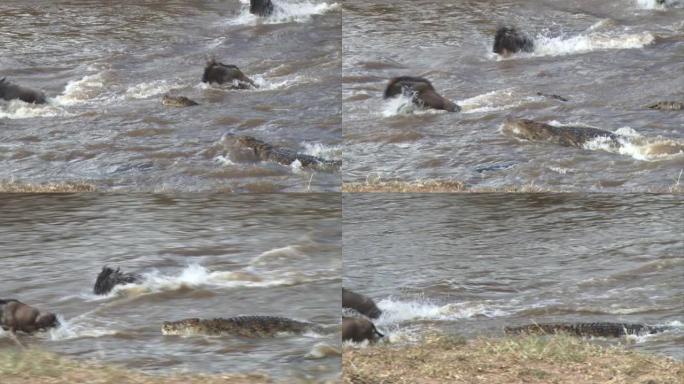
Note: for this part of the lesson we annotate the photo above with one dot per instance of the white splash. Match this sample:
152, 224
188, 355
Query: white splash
283, 12
653, 4
17, 109
495, 101
394, 311
88, 88
78, 328
149, 89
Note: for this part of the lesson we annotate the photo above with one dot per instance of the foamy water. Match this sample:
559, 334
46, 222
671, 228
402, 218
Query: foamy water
283, 12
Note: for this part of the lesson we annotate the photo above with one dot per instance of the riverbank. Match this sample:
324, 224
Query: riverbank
528, 359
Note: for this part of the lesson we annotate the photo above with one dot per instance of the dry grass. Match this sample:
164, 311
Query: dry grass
39, 367
558, 359
20, 187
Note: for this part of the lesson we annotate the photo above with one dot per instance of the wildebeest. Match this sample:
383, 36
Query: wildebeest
360, 303
109, 278
508, 41
220, 73
358, 329
421, 91
16, 316
9, 91
261, 7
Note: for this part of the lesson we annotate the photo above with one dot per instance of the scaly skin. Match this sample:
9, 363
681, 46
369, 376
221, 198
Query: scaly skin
601, 329
177, 101
245, 326
268, 152
566, 136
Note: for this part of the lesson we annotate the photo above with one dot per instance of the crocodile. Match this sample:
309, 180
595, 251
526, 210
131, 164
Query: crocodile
10, 91
601, 329
244, 326
667, 106
177, 101
108, 278
267, 152
220, 73
567, 136
421, 91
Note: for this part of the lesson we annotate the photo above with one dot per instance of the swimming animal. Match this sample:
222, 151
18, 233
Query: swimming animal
601, 329
109, 278
177, 101
267, 152
220, 73
9, 91
567, 136
360, 303
261, 7
358, 329
421, 92
667, 106
509, 40
245, 326
17, 316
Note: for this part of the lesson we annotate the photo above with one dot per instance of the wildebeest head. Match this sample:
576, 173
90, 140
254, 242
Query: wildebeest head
261, 7
421, 91
508, 40
109, 278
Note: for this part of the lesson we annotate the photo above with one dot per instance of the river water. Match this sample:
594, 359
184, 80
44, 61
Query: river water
201, 256
472, 264
609, 59
105, 69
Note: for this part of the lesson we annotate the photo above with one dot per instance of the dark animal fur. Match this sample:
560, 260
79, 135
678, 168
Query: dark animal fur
220, 73
261, 7
508, 40
109, 278
9, 91
422, 92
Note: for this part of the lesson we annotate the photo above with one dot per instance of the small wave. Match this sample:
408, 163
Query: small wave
78, 328
149, 89
322, 350
495, 101
639, 147
88, 88
17, 109
263, 84
283, 12
283, 254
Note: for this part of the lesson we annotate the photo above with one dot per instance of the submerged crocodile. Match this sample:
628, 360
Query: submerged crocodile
245, 326
177, 101
568, 136
267, 152
602, 329
667, 106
